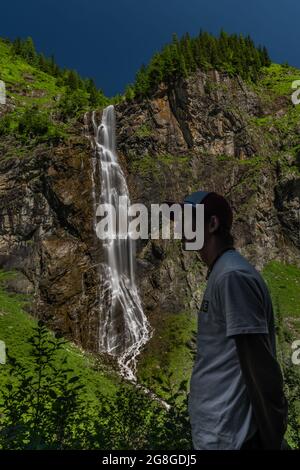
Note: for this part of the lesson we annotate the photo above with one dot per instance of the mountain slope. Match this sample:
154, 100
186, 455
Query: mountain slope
16, 327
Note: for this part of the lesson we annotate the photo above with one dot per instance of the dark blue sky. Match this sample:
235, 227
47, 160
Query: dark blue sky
110, 39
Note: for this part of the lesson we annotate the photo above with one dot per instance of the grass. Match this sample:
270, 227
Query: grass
29, 89
16, 72
284, 283
167, 351
275, 90
154, 165
144, 131
278, 79
16, 326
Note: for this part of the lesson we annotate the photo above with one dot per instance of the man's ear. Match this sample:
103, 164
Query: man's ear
214, 224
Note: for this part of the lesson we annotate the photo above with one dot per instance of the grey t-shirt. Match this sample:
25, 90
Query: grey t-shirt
236, 301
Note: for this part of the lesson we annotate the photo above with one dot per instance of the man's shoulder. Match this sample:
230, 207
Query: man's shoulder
233, 266
232, 261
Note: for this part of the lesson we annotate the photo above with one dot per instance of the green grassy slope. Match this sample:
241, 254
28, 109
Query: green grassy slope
23, 81
40, 107
284, 281
281, 124
168, 355
16, 326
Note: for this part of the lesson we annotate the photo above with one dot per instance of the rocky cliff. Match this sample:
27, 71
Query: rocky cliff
209, 131
216, 133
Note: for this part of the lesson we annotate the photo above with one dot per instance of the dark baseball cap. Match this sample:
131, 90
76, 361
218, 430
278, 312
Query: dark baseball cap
214, 204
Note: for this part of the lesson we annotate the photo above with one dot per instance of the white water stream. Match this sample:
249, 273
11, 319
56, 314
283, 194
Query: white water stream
124, 328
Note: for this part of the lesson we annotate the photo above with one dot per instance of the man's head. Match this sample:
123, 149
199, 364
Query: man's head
217, 226
217, 222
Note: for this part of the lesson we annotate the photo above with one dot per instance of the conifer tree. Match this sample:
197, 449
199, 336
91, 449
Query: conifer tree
92, 91
141, 81
28, 50
72, 80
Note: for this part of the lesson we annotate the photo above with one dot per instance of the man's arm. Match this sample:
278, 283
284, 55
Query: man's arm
264, 383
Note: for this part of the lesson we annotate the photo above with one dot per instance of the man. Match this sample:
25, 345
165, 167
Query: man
236, 398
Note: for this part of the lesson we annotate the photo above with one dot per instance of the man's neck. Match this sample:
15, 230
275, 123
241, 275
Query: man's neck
216, 255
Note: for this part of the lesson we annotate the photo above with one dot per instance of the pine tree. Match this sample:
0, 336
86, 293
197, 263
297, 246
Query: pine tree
92, 91
266, 57
154, 71
188, 53
42, 63
228, 53
53, 67
141, 82
17, 46
72, 80
129, 92
28, 51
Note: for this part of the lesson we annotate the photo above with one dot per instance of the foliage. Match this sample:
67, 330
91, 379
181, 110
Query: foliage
170, 429
39, 408
70, 78
277, 79
72, 103
50, 396
144, 131
44, 100
43, 403
234, 54
16, 327
32, 122
283, 281
42, 408
169, 351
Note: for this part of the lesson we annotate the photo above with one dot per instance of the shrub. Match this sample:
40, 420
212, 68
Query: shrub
43, 406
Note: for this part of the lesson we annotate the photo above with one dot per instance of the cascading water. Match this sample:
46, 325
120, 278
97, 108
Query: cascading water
123, 326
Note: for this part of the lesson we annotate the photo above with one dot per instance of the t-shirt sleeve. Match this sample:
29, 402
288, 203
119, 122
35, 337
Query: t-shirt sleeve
242, 304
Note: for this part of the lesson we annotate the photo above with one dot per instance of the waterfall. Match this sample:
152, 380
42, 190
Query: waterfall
123, 326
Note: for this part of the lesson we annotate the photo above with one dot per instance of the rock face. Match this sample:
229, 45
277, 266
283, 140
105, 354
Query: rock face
199, 134
46, 229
